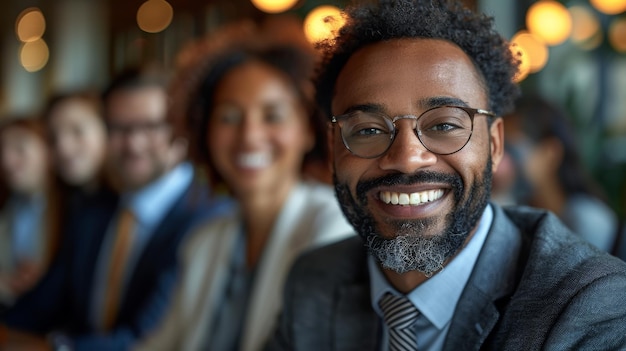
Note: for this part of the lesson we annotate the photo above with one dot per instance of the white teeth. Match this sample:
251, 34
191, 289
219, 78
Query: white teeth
403, 199
254, 160
413, 199
394, 198
424, 196
386, 196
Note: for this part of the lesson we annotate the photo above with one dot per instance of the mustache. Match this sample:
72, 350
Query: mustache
392, 179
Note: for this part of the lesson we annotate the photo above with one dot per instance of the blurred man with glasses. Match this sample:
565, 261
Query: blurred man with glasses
414, 90
117, 268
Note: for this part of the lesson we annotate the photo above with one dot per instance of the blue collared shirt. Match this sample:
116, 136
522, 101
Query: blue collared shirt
149, 205
437, 297
26, 229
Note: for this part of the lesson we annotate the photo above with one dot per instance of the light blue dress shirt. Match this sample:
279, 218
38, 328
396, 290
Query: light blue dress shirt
26, 231
437, 297
149, 205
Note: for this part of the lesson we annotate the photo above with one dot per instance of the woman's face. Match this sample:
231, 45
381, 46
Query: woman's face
258, 130
24, 160
78, 139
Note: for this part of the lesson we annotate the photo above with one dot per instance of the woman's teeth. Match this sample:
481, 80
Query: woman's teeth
254, 160
412, 199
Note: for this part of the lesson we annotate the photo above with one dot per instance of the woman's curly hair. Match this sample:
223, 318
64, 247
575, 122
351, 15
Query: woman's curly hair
435, 19
203, 63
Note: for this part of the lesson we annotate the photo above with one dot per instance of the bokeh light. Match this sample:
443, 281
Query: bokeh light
273, 6
30, 25
585, 24
154, 16
34, 55
524, 65
617, 34
550, 20
535, 49
323, 23
610, 7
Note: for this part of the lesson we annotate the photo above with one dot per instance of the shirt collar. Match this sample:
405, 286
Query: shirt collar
437, 297
150, 203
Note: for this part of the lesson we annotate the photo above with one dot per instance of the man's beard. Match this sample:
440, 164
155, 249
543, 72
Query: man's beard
410, 249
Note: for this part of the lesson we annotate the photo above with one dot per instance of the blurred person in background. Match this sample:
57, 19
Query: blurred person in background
117, 268
78, 138
28, 230
251, 106
551, 174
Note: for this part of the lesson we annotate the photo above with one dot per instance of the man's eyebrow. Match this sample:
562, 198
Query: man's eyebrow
438, 101
368, 107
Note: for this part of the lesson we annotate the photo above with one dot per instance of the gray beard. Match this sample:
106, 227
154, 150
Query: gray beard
409, 250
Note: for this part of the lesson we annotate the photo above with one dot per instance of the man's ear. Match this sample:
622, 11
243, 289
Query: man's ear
496, 133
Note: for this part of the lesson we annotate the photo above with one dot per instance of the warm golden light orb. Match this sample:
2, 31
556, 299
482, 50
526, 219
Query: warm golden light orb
586, 31
610, 7
273, 6
323, 23
617, 34
30, 25
34, 55
154, 16
585, 23
550, 20
535, 49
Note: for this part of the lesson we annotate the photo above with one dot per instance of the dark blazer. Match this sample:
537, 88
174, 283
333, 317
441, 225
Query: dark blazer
535, 286
62, 300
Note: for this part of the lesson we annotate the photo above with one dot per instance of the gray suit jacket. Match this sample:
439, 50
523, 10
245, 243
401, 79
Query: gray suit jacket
535, 286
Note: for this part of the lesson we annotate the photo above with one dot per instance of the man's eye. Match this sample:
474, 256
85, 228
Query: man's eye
369, 131
230, 118
274, 117
443, 127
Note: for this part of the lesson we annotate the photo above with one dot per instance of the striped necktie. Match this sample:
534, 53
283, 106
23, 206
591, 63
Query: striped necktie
117, 266
399, 315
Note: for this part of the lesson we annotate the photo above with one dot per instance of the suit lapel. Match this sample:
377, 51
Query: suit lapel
167, 235
492, 281
356, 325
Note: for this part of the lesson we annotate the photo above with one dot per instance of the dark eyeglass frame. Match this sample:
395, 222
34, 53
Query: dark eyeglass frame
471, 112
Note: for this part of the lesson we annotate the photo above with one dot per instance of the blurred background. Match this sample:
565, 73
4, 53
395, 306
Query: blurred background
574, 54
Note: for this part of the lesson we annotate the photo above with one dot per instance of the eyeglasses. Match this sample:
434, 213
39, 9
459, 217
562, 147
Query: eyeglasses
151, 129
442, 130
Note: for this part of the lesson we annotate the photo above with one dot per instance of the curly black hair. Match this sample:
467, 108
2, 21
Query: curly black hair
294, 63
435, 19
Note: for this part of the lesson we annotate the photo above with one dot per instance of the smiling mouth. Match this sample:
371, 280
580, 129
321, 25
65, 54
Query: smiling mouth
255, 160
410, 199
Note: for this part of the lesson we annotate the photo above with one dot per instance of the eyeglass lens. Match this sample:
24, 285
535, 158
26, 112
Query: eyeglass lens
442, 130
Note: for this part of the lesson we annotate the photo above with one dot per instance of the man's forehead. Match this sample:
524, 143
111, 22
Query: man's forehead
432, 66
149, 102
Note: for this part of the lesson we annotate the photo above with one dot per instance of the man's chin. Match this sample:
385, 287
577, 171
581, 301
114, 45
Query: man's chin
135, 181
418, 227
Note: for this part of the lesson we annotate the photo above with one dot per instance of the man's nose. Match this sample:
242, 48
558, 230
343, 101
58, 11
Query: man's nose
406, 154
136, 138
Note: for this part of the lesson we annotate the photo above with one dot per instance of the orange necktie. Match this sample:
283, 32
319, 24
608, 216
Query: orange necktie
117, 266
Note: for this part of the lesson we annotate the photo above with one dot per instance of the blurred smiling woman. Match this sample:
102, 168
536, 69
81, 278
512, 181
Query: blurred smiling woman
251, 109
78, 137
28, 217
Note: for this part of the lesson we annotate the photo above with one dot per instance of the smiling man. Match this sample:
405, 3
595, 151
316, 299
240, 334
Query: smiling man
415, 90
